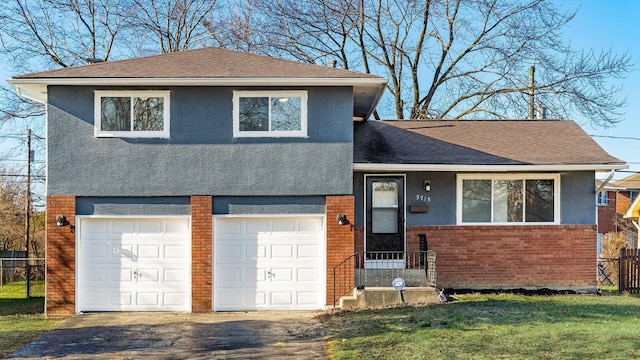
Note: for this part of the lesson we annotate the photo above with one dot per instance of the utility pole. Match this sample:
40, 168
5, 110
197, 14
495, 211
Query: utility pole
532, 106
28, 214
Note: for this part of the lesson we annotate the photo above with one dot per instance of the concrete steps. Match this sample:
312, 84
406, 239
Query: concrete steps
387, 296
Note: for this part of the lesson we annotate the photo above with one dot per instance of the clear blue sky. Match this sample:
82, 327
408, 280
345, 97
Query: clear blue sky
601, 25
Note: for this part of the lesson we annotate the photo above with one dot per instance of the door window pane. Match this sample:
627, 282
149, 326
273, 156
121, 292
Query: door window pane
384, 207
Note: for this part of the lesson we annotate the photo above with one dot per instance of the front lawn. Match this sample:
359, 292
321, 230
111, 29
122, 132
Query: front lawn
21, 322
503, 326
18, 290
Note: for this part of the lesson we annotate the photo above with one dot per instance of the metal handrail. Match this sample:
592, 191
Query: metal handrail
379, 268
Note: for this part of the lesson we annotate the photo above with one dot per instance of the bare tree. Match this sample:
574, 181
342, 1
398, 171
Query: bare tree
448, 59
169, 25
11, 211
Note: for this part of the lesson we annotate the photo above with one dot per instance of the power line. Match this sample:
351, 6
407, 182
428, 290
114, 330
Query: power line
616, 137
22, 175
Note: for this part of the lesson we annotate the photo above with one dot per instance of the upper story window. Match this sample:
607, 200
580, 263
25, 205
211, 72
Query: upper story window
132, 114
603, 198
508, 199
270, 114
632, 195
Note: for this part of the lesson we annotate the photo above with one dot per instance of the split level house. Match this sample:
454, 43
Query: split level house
215, 180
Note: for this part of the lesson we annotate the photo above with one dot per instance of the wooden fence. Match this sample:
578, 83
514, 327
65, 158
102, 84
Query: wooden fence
629, 271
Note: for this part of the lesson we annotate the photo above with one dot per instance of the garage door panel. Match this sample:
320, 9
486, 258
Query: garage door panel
148, 299
146, 252
175, 275
307, 275
307, 298
122, 227
230, 252
255, 227
282, 251
308, 251
282, 299
149, 226
148, 275
276, 263
175, 252
174, 299
134, 268
282, 275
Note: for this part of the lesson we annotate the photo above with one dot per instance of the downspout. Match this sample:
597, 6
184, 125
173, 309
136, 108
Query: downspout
604, 183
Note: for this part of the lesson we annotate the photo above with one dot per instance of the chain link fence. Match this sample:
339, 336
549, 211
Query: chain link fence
21, 278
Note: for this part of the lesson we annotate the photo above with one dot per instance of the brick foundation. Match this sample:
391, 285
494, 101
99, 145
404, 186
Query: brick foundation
560, 257
201, 252
60, 292
339, 243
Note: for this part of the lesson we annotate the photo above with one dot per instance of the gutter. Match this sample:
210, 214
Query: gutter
606, 181
490, 168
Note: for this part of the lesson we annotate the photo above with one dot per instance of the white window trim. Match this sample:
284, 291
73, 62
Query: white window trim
491, 176
277, 93
99, 94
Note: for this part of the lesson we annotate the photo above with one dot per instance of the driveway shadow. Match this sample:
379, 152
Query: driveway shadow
182, 336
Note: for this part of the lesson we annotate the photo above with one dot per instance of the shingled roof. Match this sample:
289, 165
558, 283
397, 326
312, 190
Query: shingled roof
207, 67
629, 182
495, 145
201, 63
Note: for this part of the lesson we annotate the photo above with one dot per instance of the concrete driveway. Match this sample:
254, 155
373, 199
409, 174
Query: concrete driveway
252, 335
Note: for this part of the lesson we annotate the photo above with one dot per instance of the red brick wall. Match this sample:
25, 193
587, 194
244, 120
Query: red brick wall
562, 256
607, 214
339, 243
201, 242
60, 290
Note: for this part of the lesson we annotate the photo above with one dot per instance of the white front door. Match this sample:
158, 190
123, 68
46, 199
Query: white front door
134, 264
269, 263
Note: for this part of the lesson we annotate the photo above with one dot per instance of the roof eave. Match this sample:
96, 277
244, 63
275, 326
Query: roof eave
488, 168
36, 88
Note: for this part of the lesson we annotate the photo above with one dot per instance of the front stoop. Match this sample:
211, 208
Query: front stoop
387, 296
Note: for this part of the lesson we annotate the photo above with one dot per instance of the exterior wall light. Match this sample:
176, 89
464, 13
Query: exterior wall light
61, 220
427, 185
342, 219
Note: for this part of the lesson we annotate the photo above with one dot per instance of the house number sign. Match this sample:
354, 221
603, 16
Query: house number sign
423, 198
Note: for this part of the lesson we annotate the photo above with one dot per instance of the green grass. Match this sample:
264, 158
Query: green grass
21, 322
18, 290
503, 326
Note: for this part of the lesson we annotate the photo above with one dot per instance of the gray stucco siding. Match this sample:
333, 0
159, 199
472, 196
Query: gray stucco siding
269, 205
201, 156
179, 206
158, 206
577, 198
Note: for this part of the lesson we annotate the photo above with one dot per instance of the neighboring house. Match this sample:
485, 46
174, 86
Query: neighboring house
633, 213
613, 202
217, 180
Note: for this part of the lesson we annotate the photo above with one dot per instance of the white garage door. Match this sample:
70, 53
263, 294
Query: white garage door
134, 265
269, 263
